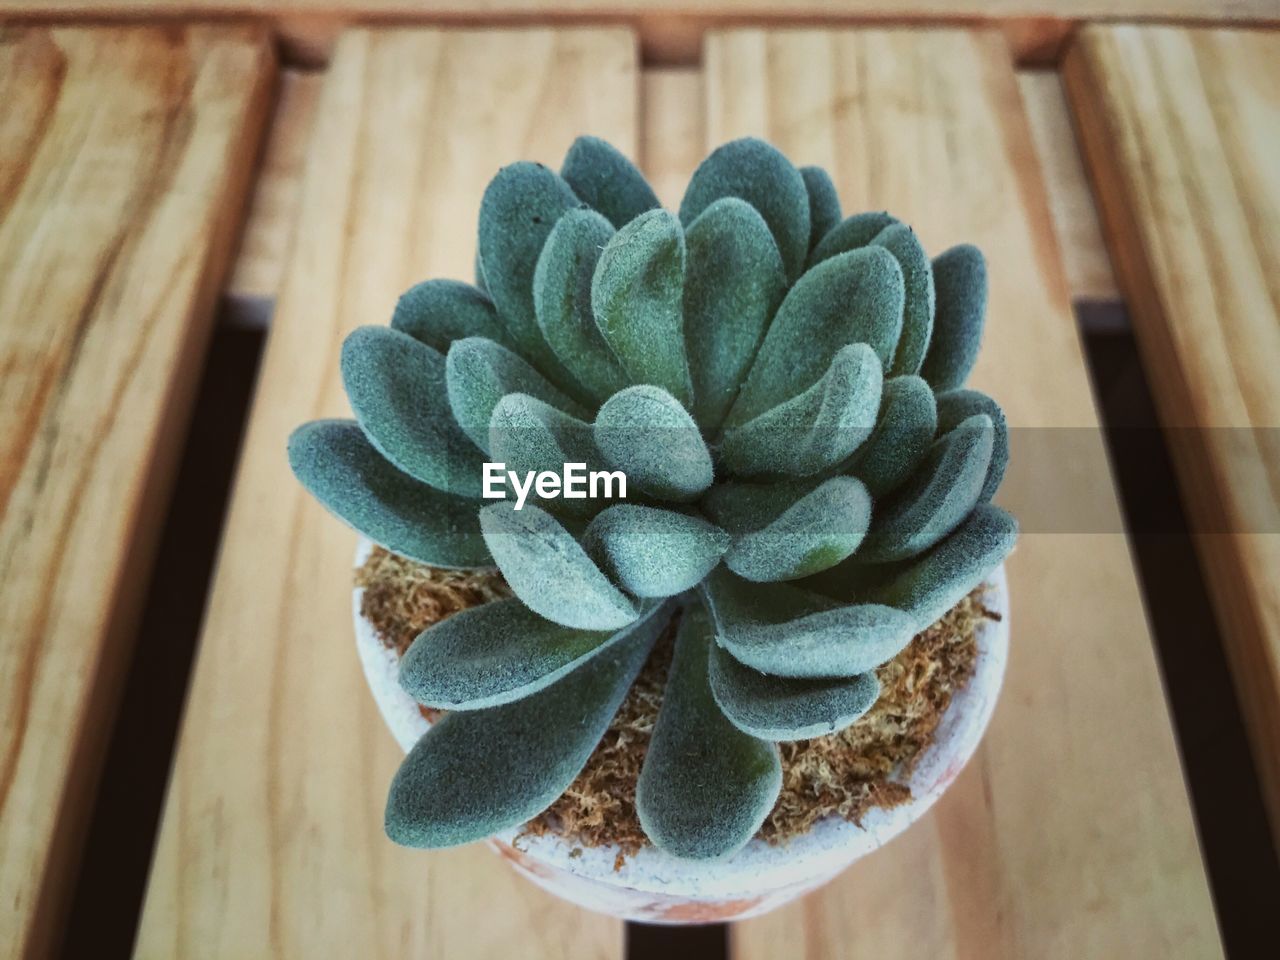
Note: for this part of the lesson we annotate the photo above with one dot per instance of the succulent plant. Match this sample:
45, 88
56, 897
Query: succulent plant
783, 388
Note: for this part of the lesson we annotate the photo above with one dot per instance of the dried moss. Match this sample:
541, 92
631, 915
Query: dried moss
849, 772
845, 773
402, 598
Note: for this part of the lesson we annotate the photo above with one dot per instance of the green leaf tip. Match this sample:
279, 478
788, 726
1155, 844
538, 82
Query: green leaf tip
926, 586
918, 296
338, 466
438, 312
956, 406
734, 284
506, 764
783, 708
758, 173
528, 436
519, 208
479, 373
548, 570
607, 181
651, 552
646, 433
816, 429
850, 233
940, 495
789, 531
705, 787
396, 386
852, 298
824, 203
905, 428
497, 653
791, 632
960, 282
636, 297
562, 301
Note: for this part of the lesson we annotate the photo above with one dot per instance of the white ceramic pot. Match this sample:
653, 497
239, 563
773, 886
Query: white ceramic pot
655, 887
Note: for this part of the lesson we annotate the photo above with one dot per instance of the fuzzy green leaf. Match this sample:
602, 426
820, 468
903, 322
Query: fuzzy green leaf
943, 490
759, 174
438, 312
652, 552
505, 765
562, 297
918, 305
607, 181
396, 386
547, 569
824, 203
904, 431
646, 433
339, 467
927, 586
930, 585
520, 207
790, 632
479, 373
815, 430
855, 297
783, 708
956, 406
636, 294
496, 653
850, 233
527, 435
788, 531
705, 787
735, 281
960, 279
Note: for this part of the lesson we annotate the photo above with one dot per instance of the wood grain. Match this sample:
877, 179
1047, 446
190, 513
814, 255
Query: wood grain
1181, 129
670, 31
671, 141
773, 10
1075, 216
124, 161
1069, 834
272, 837
269, 228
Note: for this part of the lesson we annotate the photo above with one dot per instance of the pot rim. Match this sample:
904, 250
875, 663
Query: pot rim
831, 844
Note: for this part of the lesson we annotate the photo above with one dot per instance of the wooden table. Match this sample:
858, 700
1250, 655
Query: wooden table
127, 159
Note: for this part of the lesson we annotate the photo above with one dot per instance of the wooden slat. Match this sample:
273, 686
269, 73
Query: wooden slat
124, 161
672, 138
1069, 834
268, 230
773, 10
1075, 217
670, 31
1182, 134
272, 838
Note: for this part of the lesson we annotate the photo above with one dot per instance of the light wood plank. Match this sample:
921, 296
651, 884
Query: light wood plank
670, 31
124, 162
273, 212
272, 838
1182, 135
1069, 834
774, 10
672, 139
1075, 217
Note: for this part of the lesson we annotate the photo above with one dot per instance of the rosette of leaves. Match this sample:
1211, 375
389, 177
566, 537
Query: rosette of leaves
809, 480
